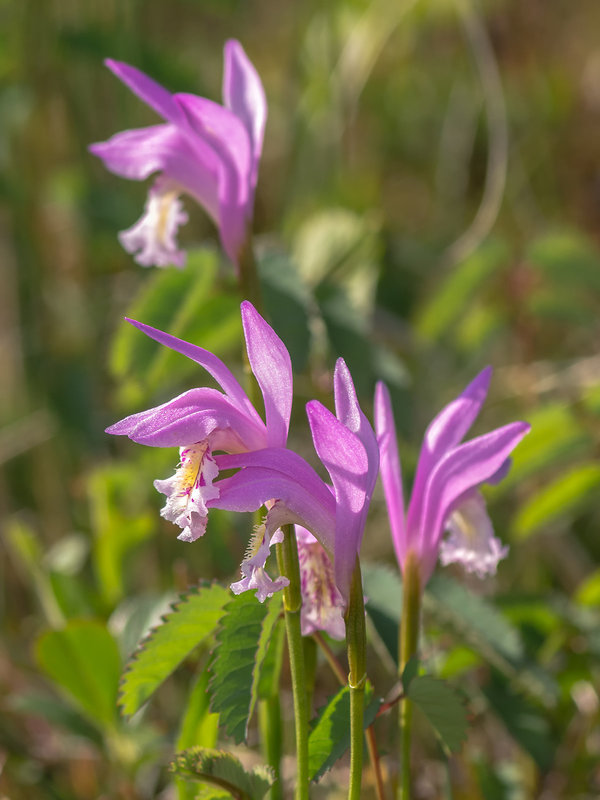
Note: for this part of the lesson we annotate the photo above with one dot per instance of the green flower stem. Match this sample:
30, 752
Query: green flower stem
310, 668
248, 277
337, 670
356, 641
287, 558
409, 640
271, 735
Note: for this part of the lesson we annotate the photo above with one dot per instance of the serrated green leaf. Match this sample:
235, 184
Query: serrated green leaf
563, 497
477, 621
242, 642
83, 659
193, 619
268, 685
481, 625
443, 709
223, 770
212, 793
330, 732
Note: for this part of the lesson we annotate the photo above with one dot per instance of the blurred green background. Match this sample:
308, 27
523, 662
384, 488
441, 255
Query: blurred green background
428, 203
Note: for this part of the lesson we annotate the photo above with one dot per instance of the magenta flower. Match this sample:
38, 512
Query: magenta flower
347, 446
208, 151
445, 493
322, 603
295, 494
202, 420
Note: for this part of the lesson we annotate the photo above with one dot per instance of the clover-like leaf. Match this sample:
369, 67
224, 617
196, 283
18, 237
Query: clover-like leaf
223, 770
192, 620
242, 643
442, 707
330, 733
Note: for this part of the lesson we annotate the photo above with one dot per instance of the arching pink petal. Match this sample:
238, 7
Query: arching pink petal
244, 94
148, 90
228, 137
272, 367
137, 154
391, 471
281, 460
445, 431
192, 417
345, 458
350, 414
252, 487
211, 363
462, 469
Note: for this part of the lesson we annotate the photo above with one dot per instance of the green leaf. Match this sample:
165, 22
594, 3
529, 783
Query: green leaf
287, 301
347, 331
186, 303
383, 590
242, 642
212, 793
121, 521
481, 625
556, 436
83, 659
198, 726
458, 289
27, 555
330, 732
568, 258
411, 670
568, 494
338, 246
268, 685
56, 712
192, 621
223, 770
530, 728
442, 707
588, 592
477, 621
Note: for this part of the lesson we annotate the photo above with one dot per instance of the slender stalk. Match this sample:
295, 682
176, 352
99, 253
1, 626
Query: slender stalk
310, 669
409, 640
287, 558
356, 641
337, 670
271, 736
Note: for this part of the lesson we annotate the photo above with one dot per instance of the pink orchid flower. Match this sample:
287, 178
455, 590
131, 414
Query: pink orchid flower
346, 445
202, 420
445, 493
208, 151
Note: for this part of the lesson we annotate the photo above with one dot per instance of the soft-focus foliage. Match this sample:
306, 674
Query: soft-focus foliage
428, 203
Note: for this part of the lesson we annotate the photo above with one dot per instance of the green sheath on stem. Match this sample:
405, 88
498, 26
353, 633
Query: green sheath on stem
287, 558
356, 640
409, 640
